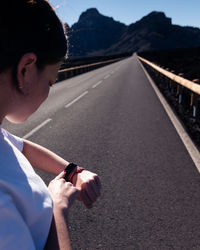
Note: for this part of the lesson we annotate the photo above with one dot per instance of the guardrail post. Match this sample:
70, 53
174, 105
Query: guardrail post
194, 103
171, 84
179, 90
167, 80
179, 93
194, 100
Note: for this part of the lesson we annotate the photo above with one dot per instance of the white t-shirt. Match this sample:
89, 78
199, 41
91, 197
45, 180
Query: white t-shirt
26, 207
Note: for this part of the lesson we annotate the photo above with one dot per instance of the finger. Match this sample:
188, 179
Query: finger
70, 189
61, 175
97, 181
74, 191
96, 188
79, 196
86, 200
91, 191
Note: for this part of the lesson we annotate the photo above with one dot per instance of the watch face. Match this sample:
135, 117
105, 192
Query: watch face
69, 169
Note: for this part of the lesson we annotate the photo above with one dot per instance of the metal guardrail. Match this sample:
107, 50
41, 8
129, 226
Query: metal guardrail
69, 72
180, 80
181, 83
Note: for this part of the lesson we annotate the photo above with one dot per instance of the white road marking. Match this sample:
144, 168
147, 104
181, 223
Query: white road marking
76, 99
36, 129
107, 76
95, 85
190, 146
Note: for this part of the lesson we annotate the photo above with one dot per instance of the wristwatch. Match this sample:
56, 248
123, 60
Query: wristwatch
71, 170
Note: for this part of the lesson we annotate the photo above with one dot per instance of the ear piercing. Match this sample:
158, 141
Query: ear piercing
20, 86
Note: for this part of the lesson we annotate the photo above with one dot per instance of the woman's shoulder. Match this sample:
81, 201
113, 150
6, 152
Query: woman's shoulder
12, 161
15, 140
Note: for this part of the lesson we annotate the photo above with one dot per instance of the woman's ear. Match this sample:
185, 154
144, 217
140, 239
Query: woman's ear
26, 70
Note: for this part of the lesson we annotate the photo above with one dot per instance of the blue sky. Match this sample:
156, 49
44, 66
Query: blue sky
182, 12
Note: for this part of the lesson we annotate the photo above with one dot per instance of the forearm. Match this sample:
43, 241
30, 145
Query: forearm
58, 237
43, 159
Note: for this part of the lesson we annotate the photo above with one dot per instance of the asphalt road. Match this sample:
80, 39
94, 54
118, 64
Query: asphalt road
118, 129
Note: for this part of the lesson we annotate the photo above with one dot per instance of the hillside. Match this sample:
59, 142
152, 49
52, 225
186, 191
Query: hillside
155, 32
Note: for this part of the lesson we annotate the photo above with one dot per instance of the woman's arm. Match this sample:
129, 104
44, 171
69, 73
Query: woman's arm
58, 237
43, 159
63, 194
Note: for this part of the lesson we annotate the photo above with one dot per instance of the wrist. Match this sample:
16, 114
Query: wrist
60, 209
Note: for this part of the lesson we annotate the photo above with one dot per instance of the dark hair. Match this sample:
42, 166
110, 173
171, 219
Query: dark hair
30, 26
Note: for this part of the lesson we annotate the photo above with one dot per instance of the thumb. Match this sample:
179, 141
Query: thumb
61, 175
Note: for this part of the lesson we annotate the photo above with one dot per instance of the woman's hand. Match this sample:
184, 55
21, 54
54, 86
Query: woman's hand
63, 193
89, 185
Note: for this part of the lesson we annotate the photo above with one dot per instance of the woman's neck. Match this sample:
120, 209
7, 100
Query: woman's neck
5, 94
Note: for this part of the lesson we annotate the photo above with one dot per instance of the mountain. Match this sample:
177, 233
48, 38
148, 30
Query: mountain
96, 34
156, 32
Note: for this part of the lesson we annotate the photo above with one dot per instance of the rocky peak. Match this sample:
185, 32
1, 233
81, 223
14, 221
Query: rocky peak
94, 32
156, 18
154, 21
91, 18
88, 14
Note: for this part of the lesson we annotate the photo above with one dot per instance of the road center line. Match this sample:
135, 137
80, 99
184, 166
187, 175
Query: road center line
94, 86
36, 129
76, 99
190, 146
107, 76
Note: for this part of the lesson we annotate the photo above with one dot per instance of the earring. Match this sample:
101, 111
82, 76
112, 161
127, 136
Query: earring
20, 86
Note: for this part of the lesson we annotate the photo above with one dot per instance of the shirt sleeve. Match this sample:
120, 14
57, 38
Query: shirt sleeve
14, 233
15, 140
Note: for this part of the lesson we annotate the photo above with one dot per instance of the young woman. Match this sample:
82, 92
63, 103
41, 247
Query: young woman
33, 216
